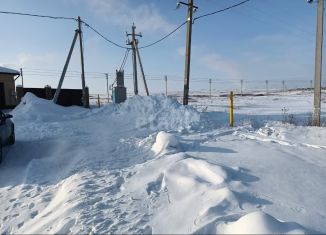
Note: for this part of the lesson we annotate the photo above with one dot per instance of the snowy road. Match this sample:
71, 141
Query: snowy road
107, 171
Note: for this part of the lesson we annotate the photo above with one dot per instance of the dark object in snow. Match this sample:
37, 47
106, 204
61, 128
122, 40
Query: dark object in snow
7, 131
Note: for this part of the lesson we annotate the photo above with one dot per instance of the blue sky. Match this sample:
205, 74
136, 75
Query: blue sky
261, 40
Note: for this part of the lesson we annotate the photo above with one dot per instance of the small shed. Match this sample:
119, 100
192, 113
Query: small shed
7, 87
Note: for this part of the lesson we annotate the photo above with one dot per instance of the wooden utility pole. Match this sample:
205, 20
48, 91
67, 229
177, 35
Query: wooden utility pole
191, 7
132, 43
166, 85
84, 98
141, 69
318, 62
63, 74
107, 86
135, 54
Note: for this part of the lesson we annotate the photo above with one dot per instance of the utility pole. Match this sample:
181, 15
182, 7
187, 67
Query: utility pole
135, 54
65, 67
191, 8
266, 86
85, 98
107, 86
210, 88
318, 63
166, 85
283, 85
21, 74
141, 68
132, 43
241, 87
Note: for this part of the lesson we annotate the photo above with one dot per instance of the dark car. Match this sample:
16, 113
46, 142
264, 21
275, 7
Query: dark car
7, 131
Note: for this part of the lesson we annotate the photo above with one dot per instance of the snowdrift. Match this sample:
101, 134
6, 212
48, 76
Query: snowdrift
32, 108
261, 223
157, 113
148, 166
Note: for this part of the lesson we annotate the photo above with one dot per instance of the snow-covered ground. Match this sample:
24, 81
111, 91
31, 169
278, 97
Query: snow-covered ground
151, 165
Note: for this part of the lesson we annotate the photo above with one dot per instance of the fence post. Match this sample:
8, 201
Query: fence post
48, 92
86, 97
231, 109
98, 101
19, 93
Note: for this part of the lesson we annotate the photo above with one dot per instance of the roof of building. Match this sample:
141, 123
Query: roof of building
4, 70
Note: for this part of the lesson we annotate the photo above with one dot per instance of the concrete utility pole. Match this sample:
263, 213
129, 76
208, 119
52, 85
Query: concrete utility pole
191, 8
266, 86
318, 63
166, 85
85, 95
210, 88
107, 86
283, 85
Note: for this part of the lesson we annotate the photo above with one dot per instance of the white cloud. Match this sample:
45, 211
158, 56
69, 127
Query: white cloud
145, 16
218, 64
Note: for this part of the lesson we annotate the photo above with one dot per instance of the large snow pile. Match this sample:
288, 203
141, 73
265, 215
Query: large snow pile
158, 113
32, 108
147, 166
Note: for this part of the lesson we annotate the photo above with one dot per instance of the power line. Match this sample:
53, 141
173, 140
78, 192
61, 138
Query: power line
161, 39
105, 38
40, 16
218, 11
124, 60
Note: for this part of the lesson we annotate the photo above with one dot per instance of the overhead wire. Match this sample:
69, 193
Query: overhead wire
124, 60
161, 39
219, 11
36, 15
101, 35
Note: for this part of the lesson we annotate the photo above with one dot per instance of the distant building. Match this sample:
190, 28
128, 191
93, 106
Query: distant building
7, 87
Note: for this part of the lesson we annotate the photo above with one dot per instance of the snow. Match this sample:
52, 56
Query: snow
261, 223
151, 165
163, 141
